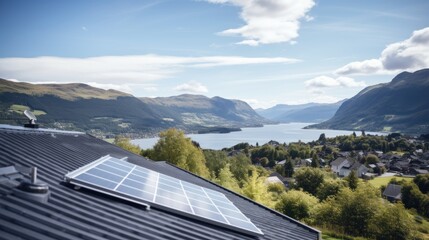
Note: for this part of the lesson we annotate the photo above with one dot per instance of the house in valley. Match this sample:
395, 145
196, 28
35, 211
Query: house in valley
393, 192
342, 167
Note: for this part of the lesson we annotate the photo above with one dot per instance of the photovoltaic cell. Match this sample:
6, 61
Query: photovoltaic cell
119, 178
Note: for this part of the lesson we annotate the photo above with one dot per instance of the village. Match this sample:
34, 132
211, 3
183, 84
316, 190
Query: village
366, 164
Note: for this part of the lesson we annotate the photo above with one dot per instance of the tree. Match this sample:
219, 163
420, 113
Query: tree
276, 188
346, 145
352, 180
371, 159
391, 221
264, 161
330, 187
174, 147
126, 144
315, 160
296, 204
322, 138
349, 211
293, 151
309, 179
422, 181
240, 166
256, 189
215, 161
411, 195
271, 163
288, 168
227, 179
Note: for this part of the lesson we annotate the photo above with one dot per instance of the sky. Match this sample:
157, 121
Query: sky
264, 52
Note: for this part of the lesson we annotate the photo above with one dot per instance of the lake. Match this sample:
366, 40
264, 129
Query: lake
283, 133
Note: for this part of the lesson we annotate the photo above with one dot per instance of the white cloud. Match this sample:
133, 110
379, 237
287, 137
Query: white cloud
268, 21
350, 82
116, 69
409, 55
255, 103
316, 83
308, 18
316, 91
84, 28
192, 87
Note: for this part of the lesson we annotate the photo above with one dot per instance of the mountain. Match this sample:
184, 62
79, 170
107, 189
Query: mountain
71, 91
310, 112
76, 107
82, 107
401, 105
198, 110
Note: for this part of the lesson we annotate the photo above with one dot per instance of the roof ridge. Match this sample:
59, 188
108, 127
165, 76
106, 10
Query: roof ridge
7, 127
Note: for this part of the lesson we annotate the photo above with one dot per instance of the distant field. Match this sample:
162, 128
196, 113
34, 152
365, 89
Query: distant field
380, 181
21, 108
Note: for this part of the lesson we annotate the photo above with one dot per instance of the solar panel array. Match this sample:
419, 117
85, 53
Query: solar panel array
138, 184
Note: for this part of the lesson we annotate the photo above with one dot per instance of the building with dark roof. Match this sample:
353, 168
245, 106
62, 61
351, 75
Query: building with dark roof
393, 192
51, 208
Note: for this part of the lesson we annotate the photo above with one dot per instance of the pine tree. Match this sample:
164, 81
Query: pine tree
315, 160
227, 179
288, 168
352, 180
322, 138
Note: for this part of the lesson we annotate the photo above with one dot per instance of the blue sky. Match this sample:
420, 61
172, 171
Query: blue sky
265, 52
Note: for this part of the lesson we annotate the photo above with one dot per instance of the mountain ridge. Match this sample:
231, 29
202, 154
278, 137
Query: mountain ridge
400, 105
81, 107
309, 112
69, 91
192, 109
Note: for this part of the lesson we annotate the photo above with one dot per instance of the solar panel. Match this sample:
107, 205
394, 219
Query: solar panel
119, 178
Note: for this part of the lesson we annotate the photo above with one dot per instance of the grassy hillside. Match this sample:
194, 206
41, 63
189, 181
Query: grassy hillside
71, 91
383, 181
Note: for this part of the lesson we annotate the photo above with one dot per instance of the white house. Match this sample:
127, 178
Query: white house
338, 164
342, 167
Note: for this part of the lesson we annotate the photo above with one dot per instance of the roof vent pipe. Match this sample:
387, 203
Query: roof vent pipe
33, 175
31, 120
33, 189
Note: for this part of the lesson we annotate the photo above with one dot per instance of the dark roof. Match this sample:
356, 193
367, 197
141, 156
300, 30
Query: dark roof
419, 171
393, 191
85, 214
356, 165
338, 161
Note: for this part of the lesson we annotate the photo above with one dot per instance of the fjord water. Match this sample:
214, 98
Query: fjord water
283, 133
